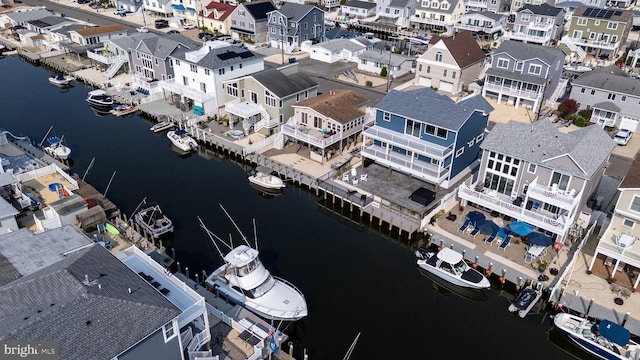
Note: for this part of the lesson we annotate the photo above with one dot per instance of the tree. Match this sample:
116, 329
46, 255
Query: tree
568, 107
383, 72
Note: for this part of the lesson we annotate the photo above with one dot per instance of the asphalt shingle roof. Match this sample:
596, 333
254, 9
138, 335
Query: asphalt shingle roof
295, 12
487, 14
161, 46
543, 9
426, 105
360, 4
382, 57
339, 105
99, 317
463, 47
541, 142
607, 105
25, 16
610, 78
524, 51
259, 9
632, 179
218, 57
284, 85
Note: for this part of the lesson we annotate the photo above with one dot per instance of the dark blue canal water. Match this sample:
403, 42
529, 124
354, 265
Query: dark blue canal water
355, 281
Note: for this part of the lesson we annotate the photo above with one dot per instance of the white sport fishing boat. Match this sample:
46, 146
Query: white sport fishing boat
244, 280
449, 265
182, 140
266, 180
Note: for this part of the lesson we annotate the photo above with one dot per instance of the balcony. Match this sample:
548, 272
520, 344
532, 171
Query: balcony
194, 94
513, 91
552, 196
243, 109
471, 27
541, 26
430, 21
604, 120
407, 164
512, 35
408, 142
102, 55
503, 204
605, 45
477, 5
310, 136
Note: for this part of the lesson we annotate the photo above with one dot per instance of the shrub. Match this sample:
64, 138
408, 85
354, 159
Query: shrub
568, 107
369, 83
586, 113
580, 121
383, 72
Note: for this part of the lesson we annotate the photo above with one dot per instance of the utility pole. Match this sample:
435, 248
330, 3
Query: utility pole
389, 69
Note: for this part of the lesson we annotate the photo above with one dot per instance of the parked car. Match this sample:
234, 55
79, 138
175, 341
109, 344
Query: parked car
117, 12
188, 26
142, 29
161, 23
173, 32
622, 137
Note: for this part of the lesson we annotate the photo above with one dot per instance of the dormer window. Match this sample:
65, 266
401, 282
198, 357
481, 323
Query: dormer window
524, 17
444, 6
439, 56
519, 66
435, 4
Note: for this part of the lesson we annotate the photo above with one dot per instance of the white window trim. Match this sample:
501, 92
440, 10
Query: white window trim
459, 152
631, 203
535, 168
164, 331
633, 223
386, 116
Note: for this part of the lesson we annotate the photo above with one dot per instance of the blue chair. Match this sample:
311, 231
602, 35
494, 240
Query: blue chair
505, 243
464, 225
474, 232
535, 207
490, 239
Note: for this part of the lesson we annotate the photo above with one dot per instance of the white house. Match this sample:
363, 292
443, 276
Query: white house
374, 60
338, 49
199, 75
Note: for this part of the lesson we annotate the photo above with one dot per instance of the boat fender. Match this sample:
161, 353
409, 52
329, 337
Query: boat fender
487, 272
474, 265
557, 246
167, 272
210, 289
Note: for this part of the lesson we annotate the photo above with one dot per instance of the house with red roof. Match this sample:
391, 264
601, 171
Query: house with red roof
216, 17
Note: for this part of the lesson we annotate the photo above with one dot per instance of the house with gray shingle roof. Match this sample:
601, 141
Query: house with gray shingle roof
356, 9
22, 17
339, 49
60, 286
293, 24
372, 61
537, 24
489, 23
523, 74
427, 135
264, 100
437, 15
611, 94
49, 23
249, 20
396, 12
539, 175
200, 74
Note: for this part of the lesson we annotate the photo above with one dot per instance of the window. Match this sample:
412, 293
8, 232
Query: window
453, 74
412, 128
624, 98
582, 90
442, 133
203, 87
561, 179
612, 25
270, 99
460, 152
614, 38
444, 73
535, 69
501, 174
582, 22
194, 68
420, 67
428, 69
628, 223
635, 204
221, 71
524, 17
611, 96
597, 23
438, 56
273, 30
593, 92
386, 116
207, 71
168, 331
232, 89
471, 142
519, 66
185, 81
479, 138
532, 168
444, 6
503, 63
430, 129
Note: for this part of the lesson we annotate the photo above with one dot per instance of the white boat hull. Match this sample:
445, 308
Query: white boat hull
182, 142
266, 181
60, 82
525, 301
162, 126
453, 279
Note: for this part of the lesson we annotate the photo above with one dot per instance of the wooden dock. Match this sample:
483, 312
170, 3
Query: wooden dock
87, 191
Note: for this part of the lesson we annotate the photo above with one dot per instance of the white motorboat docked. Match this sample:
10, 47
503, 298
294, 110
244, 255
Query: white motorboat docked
162, 126
182, 140
451, 266
99, 98
266, 180
526, 299
57, 149
606, 340
245, 281
151, 219
60, 80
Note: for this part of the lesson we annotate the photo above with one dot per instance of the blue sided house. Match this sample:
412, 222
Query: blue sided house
427, 135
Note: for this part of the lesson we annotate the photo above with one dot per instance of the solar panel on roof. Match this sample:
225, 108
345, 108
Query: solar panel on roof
618, 13
246, 54
588, 11
227, 55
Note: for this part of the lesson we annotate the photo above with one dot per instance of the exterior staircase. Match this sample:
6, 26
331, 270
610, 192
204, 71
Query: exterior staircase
580, 53
278, 143
115, 66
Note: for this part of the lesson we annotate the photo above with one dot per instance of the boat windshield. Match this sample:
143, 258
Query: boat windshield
460, 267
262, 288
247, 269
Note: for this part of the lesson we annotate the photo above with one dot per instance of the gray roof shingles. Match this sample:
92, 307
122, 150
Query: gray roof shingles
294, 12
360, 4
282, 85
212, 61
540, 142
55, 304
610, 78
523, 51
426, 105
160, 46
543, 9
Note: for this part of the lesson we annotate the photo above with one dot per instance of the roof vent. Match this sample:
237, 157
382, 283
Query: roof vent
129, 289
328, 103
88, 322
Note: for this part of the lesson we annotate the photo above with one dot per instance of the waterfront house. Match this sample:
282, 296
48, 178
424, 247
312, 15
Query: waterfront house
600, 33
56, 37
523, 74
537, 174
373, 61
611, 95
149, 62
492, 6
161, 8
294, 23
427, 135
537, 24
619, 247
21, 18
97, 35
356, 9
199, 75
451, 63
8, 213
249, 20
347, 49
216, 17
128, 5
437, 15
91, 299
264, 100
47, 24
327, 123
517, 4
489, 24
395, 12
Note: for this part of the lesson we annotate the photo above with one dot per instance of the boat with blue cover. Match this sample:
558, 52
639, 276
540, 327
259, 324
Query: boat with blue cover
606, 339
60, 80
182, 140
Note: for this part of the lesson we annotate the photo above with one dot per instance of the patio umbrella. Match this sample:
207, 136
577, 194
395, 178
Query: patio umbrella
536, 238
521, 228
487, 226
475, 216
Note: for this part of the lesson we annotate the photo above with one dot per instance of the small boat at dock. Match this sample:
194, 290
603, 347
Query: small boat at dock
182, 140
266, 180
151, 219
450, 265
99, 98
606, 340
57, 149
123, 109
162, 126
60, 80
526, 299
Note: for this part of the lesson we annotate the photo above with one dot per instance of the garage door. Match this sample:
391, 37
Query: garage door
629, 124
424, 81
446, 86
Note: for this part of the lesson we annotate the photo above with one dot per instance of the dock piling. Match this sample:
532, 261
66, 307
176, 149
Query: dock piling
179, 269
186, 271
626, 317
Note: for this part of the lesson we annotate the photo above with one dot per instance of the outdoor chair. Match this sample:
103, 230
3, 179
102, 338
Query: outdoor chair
363, 177
474, 232
490, 239
355, 181
625, 292
345, 177
464, 225
505, 243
